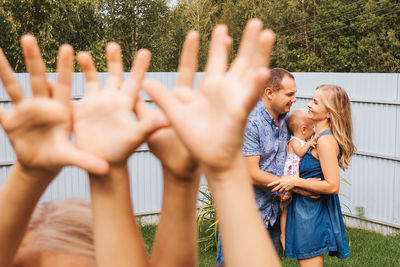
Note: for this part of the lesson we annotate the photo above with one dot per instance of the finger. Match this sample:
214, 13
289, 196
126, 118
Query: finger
144, 111
147, 126
86, 63
217, 55
188, 61
138, 71
35, 65
263, 49
272, 184
168, 103
228, 43
11, 84
65, 67
258, 79
114, 66
2, 112
247, 46
275, 188
51, 87
83, 160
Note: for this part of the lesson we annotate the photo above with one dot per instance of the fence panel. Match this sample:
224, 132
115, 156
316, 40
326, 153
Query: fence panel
374, 174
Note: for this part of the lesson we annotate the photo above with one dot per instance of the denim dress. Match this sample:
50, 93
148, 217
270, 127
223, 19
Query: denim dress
315, 226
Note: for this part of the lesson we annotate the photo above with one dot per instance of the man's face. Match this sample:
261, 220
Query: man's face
283, 99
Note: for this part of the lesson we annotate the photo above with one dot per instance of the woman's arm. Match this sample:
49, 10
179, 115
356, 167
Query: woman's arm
327, 150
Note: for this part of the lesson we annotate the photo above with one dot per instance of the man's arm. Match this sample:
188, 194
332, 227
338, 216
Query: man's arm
259, 177
263, 178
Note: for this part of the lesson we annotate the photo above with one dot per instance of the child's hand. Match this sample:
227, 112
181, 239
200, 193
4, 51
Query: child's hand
164, 143
39, 127
166, 146
313, 141
210, 121
103, 119
283, 241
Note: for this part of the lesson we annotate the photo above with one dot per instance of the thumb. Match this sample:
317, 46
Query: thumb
92, 164
259, 78
149, 125
168, 103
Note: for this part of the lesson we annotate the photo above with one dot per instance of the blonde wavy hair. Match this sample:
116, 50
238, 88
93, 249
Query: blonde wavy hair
65, 226
337, 102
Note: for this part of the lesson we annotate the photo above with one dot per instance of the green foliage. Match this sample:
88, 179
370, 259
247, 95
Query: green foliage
53, 22
207, 221
319, 36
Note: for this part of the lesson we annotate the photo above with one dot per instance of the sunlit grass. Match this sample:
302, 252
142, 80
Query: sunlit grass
366, 249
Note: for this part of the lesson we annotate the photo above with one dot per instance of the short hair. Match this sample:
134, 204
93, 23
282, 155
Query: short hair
65, 226
296, 119
276, 76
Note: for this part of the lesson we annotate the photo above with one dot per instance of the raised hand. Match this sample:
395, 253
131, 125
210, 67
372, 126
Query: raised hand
211, 120
164, 143
39, 127
103, 119
39, 130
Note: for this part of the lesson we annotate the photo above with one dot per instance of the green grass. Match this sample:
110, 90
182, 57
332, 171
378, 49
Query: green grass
366, 249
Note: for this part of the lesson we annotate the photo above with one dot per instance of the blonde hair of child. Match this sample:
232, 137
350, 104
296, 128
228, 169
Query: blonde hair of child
337, 102
64, 226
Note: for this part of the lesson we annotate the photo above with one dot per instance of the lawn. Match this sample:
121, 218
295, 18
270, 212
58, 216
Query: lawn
366, 249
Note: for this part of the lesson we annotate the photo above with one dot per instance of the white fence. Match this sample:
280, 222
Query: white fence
374, 173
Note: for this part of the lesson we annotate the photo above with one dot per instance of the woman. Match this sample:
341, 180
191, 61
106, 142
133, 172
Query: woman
315, 226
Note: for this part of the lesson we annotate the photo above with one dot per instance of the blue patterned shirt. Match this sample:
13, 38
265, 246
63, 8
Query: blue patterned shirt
263, 137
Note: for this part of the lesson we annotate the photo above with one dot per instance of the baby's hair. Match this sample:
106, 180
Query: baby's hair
296, 119
65, 226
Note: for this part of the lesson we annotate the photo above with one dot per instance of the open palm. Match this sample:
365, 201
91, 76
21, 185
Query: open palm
210, 121
103, 119
39, 127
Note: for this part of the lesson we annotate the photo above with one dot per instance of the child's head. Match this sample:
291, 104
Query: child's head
58, 234
299, 124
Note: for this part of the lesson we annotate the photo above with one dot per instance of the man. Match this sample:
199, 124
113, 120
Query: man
265, 146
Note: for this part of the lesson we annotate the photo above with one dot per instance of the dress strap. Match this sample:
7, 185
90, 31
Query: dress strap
302, 142
328, 131
324, 132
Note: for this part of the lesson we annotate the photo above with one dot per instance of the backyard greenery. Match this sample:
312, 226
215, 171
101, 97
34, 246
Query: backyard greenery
312, 36
366, 249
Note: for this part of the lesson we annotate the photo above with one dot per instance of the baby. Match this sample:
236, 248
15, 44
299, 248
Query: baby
301, 128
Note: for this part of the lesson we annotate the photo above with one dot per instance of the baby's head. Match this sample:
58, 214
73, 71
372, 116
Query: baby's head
299, 124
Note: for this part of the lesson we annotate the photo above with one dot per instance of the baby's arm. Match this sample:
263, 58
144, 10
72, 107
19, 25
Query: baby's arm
300, 150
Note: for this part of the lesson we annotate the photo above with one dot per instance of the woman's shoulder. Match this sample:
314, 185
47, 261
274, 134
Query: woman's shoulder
327, 143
